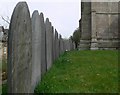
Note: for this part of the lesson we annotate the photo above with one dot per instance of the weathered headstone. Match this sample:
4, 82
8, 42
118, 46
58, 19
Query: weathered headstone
53, 44
71, 44
67, 44
64, 45
43, 45
56, 45
61, 44
36, 49
51, 40
20, 50
54, 48
55, 54
48, 44
58, 42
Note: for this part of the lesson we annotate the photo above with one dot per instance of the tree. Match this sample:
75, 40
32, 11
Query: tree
6, 21
71, 38
76, 37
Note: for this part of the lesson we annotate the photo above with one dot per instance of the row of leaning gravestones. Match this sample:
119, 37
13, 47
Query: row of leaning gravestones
32, 48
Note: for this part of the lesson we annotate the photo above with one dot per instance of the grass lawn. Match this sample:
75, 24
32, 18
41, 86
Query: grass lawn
82, 72
4, 89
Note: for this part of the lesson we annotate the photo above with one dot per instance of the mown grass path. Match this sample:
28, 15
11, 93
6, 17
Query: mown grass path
82, 72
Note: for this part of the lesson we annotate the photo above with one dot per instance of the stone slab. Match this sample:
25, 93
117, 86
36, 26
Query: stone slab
43, 45
20, 50
36, 49
48, 44
56, 45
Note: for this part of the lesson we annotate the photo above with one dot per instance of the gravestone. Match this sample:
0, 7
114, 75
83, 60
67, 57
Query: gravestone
36, 49
55, 54
20, 50
71, 44
43, 44
64, 44
53, 44
67, 44
48, 44
62, 48
51, 40
61, 44
56, 45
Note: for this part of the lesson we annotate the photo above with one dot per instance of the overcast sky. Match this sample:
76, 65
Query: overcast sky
64, 14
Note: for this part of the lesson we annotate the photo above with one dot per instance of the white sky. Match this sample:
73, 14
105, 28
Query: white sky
64, 14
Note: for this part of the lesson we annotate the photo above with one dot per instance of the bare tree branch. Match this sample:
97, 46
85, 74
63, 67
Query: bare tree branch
5, 20
8, 18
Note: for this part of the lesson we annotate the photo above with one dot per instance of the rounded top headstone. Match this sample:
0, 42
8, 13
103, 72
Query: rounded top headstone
55, 31
50, 23
47, 20
19, 50
52, 28
35, 13
60, 36
41, 15
21, 6
20, 10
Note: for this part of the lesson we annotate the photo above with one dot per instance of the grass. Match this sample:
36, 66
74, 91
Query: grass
3, 65
82, 72
3, 68
4, 89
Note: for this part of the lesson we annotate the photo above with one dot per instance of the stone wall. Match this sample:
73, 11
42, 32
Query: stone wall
101, 24
33, 46
85, 25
